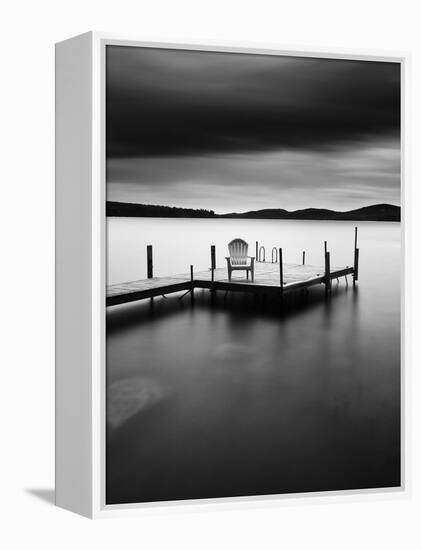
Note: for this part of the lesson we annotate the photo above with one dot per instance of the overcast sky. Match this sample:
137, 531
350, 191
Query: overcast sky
235, 132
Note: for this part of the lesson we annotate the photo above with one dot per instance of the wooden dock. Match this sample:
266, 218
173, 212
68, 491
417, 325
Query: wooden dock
266, 281
273, 278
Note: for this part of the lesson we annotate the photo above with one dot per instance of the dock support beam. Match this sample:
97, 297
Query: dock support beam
257, 251
191, 289
356, 257
304, 257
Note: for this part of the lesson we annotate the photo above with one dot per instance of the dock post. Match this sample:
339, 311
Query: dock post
356, 264
213, 267
257, 251
213, 261
356, 257
149, 261
191, 284
149, 268
281, 271
328, 282
304, 257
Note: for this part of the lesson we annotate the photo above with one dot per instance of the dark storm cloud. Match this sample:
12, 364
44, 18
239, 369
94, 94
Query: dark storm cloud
174, 103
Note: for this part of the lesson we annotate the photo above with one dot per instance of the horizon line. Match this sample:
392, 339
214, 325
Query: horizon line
257, 210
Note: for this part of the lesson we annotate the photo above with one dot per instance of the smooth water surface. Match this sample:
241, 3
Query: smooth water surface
237, 398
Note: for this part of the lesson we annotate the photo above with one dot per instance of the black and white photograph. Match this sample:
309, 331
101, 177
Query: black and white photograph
253, 286
210, 261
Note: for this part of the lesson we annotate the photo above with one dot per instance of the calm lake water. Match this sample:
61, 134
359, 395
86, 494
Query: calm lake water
228, 399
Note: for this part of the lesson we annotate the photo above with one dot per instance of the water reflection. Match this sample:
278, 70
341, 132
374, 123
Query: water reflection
240, 397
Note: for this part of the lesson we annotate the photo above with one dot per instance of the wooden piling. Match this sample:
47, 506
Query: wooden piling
304, 257
328, 282
356, 256
356, 266
213, 262
281, 271
257, 251
191, 284
149, 261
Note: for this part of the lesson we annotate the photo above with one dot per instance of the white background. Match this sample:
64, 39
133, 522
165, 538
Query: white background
29, 30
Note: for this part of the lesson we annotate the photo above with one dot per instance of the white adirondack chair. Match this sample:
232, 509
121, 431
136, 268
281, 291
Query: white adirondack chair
238, 259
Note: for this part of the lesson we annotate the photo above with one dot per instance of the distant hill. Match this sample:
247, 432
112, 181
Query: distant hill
376, 212
133, 210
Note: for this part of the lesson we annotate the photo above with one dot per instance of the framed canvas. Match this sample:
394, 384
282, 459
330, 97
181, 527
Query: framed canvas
230, 283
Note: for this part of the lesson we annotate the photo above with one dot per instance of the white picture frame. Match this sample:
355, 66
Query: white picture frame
80, 275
